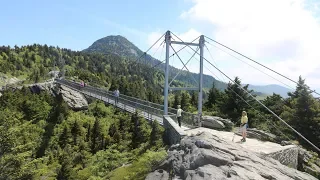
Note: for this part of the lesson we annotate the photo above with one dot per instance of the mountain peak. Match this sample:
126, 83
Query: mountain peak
121, 46
115, 44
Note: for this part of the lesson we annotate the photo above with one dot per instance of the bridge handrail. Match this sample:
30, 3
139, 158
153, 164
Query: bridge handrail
108, 96
130, 97
137, 103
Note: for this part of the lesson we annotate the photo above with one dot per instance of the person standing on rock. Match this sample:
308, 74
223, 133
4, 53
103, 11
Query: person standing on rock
179, 111
244, 125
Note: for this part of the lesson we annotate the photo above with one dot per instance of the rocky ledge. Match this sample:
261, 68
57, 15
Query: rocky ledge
74, 99
206, 156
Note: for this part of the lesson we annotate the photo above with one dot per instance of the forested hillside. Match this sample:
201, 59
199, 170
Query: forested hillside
32, 63
123, 47
40, 138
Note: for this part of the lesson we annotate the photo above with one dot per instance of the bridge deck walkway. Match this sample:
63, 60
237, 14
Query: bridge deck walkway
124, 104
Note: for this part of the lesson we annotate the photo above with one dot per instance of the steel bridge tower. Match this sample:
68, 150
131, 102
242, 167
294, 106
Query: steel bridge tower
200, 45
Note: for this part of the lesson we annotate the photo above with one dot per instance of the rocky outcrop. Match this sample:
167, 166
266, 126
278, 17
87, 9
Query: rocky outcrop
4, 79
46, 86
206, 156
74, 99
215, 122
158, 174
309, 162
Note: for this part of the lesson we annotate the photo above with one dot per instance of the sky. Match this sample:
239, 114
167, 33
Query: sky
283, 35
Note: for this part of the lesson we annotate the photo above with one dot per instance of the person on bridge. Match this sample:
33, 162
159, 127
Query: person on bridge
244, 125
179, 111
116, 94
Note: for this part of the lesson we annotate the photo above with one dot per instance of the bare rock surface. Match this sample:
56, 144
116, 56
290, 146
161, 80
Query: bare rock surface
215, 122
74, 99
207, 156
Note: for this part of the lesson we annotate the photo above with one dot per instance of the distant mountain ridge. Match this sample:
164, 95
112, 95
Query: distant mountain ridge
270, 89
119, 45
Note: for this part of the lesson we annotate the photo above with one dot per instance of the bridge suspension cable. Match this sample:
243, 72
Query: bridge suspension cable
183, 67
312, 91
184, 64
145, 53
175, 53
266, 107
267, 120
250, 65
256, 99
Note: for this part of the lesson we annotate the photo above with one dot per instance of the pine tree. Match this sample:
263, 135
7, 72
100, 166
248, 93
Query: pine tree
194, 99
66, 172
96, 137
76, 132
88, 133
213, 97
232, 105
177, 100
306, 116
134, 129
156, 134
185, 101
64, 137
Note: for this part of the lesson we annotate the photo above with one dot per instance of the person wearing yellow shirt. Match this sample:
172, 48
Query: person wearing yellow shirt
244, 125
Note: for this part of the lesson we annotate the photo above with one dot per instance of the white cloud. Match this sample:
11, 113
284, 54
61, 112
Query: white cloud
284, 35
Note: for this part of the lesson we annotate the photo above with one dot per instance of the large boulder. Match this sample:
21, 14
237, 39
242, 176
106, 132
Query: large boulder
215, 122
206, 156
74, 99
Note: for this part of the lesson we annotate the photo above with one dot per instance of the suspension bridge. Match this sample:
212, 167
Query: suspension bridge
161, 112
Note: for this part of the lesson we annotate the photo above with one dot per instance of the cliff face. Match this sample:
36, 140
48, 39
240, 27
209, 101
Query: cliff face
206, 156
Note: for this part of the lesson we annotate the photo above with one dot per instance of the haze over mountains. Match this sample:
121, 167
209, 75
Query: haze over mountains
121, 46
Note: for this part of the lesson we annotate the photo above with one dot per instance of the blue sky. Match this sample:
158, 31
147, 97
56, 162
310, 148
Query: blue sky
286, 40
77, 24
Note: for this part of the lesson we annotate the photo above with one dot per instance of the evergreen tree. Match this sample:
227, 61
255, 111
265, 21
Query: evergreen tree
232, 105
64, 137
177, 100
140, 133
96, 139
213, 97
156, 134
303, 113
76, 132
194, 99
185, 101
66, 172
